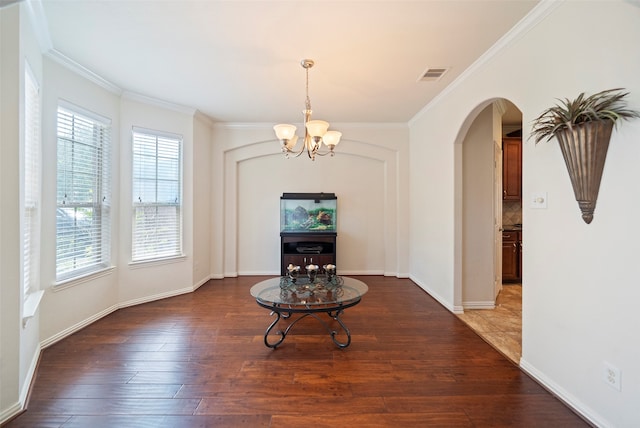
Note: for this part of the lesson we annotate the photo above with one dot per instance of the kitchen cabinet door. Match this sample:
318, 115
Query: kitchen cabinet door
510, 257
512, 169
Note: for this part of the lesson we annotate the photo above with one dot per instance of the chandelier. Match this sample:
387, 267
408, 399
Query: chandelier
315, 131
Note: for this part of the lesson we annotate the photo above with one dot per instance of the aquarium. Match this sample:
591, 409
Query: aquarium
308, 212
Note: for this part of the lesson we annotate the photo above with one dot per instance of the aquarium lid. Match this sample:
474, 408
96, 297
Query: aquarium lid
315, 196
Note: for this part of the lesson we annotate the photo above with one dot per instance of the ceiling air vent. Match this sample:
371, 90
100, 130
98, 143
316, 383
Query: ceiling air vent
433, 74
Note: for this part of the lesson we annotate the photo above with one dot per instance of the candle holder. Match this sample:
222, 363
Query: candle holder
293, 272
312, 272
329, 271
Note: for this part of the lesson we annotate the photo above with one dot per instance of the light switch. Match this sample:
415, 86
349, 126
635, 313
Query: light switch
539, 200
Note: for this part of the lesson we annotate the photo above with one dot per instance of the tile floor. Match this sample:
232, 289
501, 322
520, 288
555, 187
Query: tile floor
501, 327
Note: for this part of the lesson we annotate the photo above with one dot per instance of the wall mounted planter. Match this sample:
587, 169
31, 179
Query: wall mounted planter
583, 129
584, 148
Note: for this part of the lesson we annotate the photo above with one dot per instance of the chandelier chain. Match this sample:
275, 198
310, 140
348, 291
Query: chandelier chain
308, 100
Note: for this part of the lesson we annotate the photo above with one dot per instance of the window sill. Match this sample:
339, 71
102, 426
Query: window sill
72, 282
31, 304
156, 262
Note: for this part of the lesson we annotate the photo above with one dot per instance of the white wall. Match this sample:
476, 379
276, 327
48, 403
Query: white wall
368, 174
477, 213
19, 341
579, 290
201, 215
10, 300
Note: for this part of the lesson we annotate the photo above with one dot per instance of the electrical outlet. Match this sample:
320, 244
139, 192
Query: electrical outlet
611, 376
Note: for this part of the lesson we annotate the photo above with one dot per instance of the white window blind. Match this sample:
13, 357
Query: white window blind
157, 195
83, 225
31, 185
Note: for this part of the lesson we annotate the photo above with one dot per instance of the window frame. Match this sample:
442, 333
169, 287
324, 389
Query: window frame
31, 187
146, 176
94, 235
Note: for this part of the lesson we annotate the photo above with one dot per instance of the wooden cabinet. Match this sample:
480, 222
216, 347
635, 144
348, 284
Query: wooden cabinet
302, 249
511, 256
512, 169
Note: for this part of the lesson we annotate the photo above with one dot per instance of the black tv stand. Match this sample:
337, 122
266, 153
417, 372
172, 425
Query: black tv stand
302, 249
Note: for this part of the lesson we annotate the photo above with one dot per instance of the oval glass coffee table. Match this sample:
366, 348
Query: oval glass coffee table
285, 297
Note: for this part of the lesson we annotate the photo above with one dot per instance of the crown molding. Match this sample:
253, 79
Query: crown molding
145, 99
335, 126
67, 62
537, 14
204, 118
39, 24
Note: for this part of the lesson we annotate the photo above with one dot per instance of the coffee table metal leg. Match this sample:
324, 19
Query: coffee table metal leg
283, 333
279, 332
336, 317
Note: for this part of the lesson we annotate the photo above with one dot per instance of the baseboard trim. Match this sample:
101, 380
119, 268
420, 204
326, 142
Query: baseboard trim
11, 412
568, 399
258, 273
433, 294
363, 273
154, 297
77, 327
479, 305
200, 283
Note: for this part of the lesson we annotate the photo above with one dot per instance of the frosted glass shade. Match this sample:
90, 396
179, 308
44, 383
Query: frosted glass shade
284, 131
332, 138
317, 128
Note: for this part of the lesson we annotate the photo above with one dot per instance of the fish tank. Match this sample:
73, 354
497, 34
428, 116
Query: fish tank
308, 212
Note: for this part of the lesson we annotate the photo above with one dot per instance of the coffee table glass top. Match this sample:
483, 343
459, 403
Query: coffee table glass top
303, 292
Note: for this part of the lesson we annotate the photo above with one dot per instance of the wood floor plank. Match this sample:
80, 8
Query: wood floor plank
380, 420
268, 405
199, 360
107, 391
124, 406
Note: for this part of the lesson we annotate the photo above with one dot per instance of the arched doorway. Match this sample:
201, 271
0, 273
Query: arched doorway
491, 309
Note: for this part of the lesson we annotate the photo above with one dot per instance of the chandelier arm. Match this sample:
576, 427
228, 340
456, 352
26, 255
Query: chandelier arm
296, 153
328, 152
307, 145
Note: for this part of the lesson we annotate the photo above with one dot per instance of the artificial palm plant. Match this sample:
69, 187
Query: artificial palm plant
583, 128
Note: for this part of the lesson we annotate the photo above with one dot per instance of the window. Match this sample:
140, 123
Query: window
83, 215
31, 185
157, 195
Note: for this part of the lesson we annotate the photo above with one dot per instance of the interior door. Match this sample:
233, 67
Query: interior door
497, 222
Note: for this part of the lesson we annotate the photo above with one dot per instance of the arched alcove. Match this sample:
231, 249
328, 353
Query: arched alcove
365, 178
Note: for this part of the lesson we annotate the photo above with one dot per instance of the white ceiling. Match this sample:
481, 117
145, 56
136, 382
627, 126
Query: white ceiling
238, 61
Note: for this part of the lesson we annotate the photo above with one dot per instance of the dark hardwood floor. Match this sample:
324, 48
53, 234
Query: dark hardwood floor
198, 360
